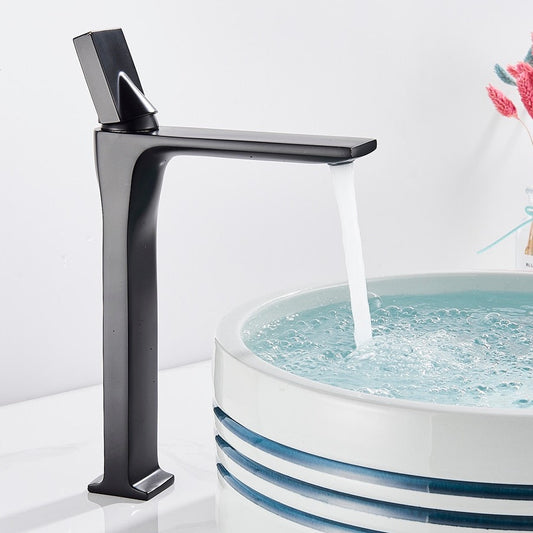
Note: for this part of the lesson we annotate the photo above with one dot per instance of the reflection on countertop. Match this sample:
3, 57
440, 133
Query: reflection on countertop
51, 448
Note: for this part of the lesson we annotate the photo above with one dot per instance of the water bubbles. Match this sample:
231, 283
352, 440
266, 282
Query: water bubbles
406, 349
374, 302
345, 325
381, 329
382, 312
471, 348
289, 333
510, 385
491, 318
394, 310
364, 355
523, 402
329, 354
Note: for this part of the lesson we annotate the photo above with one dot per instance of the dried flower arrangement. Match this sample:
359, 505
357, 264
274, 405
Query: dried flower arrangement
520, 76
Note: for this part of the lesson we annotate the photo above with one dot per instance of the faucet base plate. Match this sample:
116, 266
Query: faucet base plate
145, 489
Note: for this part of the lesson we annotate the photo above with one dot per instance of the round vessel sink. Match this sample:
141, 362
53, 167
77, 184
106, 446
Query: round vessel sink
297, 455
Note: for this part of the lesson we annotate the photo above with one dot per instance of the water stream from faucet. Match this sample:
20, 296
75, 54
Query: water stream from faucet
344, 185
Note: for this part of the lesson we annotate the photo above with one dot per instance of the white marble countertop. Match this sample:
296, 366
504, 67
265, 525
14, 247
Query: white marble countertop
51, 448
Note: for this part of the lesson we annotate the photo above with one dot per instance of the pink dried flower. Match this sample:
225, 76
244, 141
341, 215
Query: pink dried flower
502, 104
519, 69
524, 83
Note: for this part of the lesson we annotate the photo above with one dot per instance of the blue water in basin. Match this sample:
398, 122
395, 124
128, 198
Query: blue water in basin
468, 348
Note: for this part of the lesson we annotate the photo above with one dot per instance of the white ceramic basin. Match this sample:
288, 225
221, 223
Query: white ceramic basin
298, 455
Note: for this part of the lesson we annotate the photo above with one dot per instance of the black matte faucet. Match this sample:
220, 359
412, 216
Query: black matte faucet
132, 152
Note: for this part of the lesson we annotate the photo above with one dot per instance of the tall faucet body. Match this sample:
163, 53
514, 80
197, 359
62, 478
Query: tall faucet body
131, 156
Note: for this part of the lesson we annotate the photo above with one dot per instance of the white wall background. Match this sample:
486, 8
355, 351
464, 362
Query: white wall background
448, 175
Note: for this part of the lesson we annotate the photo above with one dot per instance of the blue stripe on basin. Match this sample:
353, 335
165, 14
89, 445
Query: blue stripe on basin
300, 517
366, 505
379, 477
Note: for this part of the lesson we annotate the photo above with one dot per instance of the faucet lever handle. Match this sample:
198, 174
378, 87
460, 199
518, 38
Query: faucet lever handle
113, 82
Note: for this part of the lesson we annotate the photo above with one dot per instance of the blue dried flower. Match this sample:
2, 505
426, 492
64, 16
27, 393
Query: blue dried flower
529, 57
502, 74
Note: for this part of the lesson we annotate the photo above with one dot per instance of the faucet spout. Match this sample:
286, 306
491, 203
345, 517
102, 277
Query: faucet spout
253, 145
132, 152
